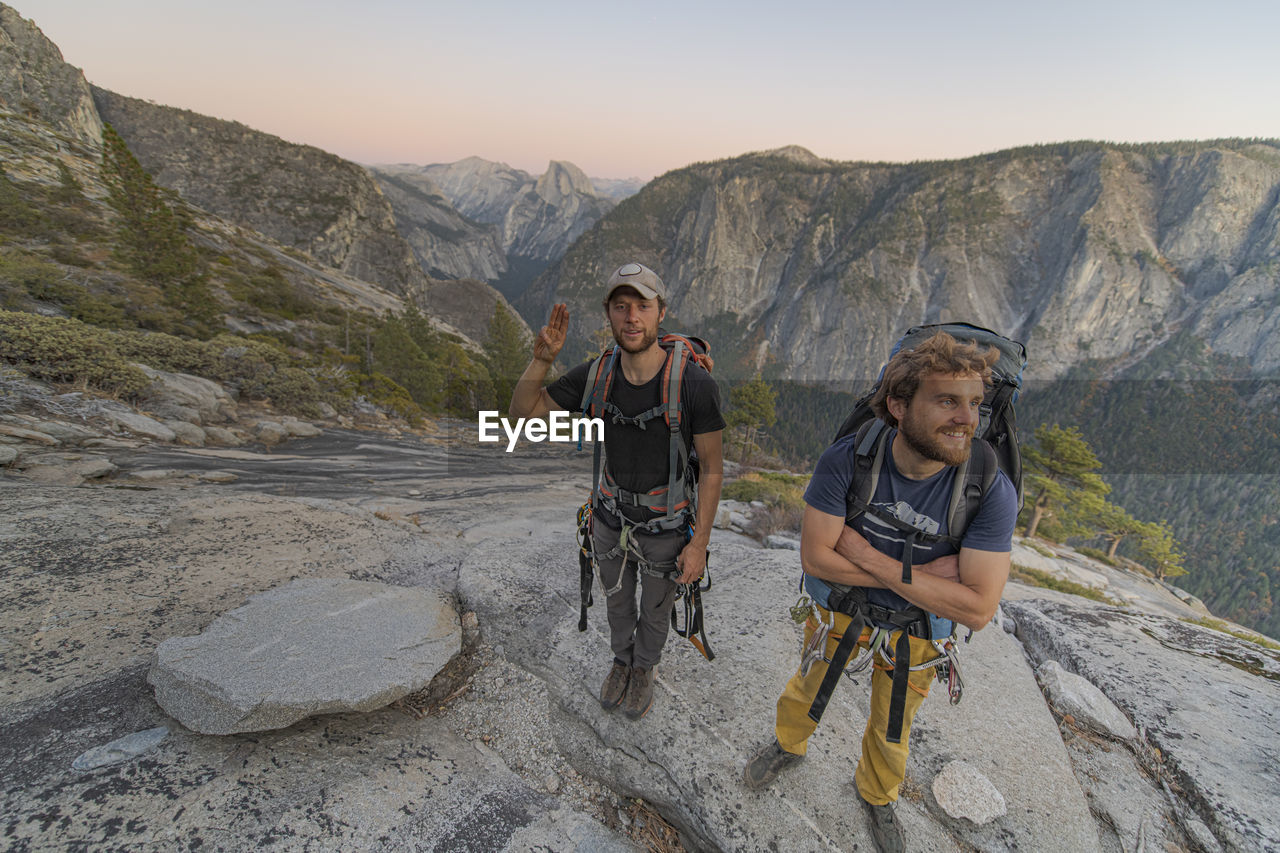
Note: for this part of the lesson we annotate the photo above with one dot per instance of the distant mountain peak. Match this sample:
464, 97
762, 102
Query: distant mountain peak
566, 178
796, 154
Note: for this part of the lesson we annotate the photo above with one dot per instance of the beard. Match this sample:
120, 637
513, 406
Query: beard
929, 445
649, 338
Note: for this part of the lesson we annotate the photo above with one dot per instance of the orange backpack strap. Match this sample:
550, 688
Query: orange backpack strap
594, 394
678, 458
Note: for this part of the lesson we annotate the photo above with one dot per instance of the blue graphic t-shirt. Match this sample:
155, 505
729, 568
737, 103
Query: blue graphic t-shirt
920, 503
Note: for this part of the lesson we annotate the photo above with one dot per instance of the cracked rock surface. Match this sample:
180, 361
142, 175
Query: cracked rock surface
507, 748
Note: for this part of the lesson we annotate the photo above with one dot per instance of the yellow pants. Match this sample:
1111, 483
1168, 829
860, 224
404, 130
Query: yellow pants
883, 765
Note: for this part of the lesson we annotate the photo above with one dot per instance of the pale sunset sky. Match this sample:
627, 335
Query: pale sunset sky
633, 90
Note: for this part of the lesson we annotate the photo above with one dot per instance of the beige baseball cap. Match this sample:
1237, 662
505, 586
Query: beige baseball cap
644, 280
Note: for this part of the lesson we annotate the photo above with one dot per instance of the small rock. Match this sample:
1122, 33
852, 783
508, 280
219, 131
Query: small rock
187, 433
757, 504
221, 436
67, 469
7, 454
787, 543
172, 412
413, 493
270, 432
95, 467
1079, 699
1201, 834
551, 784
65, 433
111, 443
963, 792
140, 425
148, 475
28, 435
218, 477
326, 411
300, 429
121, 749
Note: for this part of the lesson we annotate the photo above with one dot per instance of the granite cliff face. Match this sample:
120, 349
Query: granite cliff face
1083, 251
539, 217
35, 81
298, 195
446, 243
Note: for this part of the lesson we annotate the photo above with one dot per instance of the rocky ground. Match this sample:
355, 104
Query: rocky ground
115, 541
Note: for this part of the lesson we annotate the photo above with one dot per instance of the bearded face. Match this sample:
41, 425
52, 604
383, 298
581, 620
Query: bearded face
634, 320
938, 423
949, 444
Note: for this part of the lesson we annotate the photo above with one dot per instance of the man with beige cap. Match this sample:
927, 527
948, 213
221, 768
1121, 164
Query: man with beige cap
651, 514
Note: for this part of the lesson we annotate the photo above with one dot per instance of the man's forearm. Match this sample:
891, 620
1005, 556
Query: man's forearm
825, 564
528, 389
709, 486
951, 599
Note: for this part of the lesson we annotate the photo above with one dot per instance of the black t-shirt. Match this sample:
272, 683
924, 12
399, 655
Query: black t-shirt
638, 458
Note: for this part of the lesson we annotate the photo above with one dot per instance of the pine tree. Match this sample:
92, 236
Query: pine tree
153, 235
1160, 552
396, 354
752, 407
1058, 464
506, 353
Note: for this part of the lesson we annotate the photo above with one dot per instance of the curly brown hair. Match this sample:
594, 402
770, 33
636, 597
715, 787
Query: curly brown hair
939, 354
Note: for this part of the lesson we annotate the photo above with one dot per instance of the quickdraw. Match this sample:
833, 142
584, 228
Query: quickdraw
586, 563
694, 628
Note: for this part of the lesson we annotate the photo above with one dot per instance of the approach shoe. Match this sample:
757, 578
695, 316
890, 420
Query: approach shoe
770, 760
639, 692
615, 686
885, 828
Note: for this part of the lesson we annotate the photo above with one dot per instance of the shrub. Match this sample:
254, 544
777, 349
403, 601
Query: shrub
774, 489
1036, 577
65, 350
1097, 554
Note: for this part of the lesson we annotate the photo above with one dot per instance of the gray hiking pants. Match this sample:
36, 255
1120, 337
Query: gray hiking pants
637, 636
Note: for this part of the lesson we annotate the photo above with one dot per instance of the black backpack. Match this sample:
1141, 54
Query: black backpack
995, 439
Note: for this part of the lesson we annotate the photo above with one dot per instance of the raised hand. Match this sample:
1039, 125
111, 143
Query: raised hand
551, 339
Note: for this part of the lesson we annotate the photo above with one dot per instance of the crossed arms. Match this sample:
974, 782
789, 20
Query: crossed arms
965, 587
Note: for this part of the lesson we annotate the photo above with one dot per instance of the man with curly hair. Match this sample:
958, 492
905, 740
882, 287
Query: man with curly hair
853, 558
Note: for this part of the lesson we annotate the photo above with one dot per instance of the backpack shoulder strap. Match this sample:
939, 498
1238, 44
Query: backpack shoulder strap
678, 455
868, 460
973, 481
594, 394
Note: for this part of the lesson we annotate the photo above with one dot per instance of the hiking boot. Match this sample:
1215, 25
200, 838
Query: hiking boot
615, 686
885, 828
766, 764
639, 692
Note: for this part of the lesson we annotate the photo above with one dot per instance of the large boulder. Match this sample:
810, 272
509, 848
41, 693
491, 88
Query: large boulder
312, 646
175, 395
129, 420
